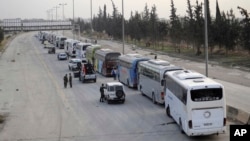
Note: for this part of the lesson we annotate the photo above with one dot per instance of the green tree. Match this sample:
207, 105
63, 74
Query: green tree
245, 31
188, 26
175, 27
198, 28
232, 31
1, 35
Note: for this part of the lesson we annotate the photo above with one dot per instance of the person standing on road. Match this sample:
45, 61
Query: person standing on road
102, 93
114, 73
70, 80
65, 80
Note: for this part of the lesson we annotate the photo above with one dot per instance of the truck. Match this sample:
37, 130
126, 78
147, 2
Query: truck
85, 72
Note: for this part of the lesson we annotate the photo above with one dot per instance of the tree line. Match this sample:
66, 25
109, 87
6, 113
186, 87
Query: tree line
224, 30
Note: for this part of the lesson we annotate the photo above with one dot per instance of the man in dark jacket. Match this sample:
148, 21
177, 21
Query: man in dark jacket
102, 93
65, 80
70, 80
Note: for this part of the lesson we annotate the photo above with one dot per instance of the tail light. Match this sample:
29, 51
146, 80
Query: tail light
190, 124
224, 121
162, 95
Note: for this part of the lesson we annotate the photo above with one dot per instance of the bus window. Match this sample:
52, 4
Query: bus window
206, 94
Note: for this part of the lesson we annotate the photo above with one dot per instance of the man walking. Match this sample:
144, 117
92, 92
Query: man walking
65, 80
70, 80
102, 93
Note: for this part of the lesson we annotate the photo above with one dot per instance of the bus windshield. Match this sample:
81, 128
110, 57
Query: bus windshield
206, 94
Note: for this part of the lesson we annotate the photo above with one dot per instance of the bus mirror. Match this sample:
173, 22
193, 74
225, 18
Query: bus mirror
162, 82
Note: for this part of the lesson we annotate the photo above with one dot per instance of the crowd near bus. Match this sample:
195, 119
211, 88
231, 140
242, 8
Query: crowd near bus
195, 102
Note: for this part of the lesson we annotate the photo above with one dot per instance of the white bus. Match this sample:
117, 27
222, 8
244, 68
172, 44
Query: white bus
195, 102
66, 45
128, 68
81, 49
150, 77
72, 48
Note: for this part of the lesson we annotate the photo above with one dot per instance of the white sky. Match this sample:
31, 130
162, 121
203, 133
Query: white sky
26, 9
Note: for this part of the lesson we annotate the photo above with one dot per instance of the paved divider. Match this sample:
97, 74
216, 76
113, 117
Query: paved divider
238, 115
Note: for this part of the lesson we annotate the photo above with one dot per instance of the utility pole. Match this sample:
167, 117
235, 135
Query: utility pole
56, 11
63, 4
73, 19
206, 37
122, 27
91, 16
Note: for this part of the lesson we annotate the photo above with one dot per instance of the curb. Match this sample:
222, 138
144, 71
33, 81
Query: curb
238, 115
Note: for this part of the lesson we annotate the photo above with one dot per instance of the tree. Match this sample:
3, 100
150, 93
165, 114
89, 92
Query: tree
232, 31
1, 35
175, 27
188, 26
245, 30
198, 27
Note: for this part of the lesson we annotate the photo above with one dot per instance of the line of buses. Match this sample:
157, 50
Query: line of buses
196, 102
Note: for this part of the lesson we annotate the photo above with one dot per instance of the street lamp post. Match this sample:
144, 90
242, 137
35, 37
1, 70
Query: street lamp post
91, 16
73, 19
56, 11
122, 27
206, 37
63, 4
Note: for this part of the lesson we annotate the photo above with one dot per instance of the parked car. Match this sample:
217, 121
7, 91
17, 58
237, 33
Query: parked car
52, 50
62, 56
114, 91
73, 63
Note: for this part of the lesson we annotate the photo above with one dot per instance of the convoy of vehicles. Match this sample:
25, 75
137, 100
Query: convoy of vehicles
195, 102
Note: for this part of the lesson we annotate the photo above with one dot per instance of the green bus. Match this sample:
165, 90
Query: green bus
90, 53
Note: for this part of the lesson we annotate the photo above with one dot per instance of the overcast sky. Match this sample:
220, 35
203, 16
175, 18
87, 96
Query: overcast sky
26, 9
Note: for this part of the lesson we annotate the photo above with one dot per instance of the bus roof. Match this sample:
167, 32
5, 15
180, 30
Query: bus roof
159, 65
104, 52
83, 44
132, 57
92, 47
192, 79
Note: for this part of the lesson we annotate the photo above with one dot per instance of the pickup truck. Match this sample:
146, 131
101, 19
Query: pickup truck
85, 72
114, 91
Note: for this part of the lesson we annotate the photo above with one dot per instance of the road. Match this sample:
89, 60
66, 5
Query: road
38, 108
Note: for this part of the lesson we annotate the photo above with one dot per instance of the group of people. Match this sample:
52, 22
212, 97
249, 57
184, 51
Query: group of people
67, 80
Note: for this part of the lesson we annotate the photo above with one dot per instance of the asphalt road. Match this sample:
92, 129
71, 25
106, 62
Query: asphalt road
38, 108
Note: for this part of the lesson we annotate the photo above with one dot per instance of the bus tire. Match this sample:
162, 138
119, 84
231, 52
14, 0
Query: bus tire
168, 112
128, 83
181, 127
153, 98
82, 80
